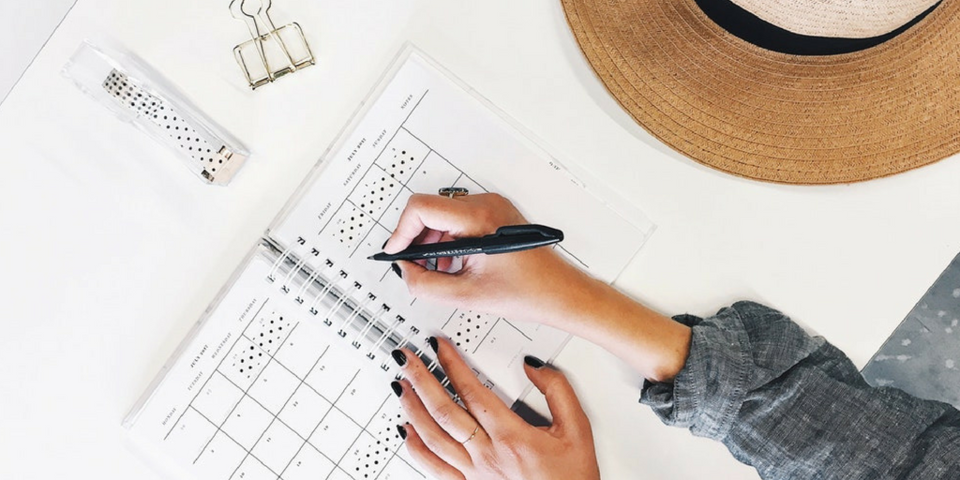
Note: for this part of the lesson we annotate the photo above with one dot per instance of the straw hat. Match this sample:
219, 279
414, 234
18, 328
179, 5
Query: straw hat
790, 91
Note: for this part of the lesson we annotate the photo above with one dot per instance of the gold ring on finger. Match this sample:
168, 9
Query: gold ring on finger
472, 435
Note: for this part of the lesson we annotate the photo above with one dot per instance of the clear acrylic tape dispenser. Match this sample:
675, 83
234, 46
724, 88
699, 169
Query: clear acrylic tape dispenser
140, 95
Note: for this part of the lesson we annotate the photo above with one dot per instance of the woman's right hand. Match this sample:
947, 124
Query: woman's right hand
533, 285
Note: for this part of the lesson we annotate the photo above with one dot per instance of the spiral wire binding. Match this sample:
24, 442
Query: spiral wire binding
327, 280
323, 293
271, 277
340, 303
309, 282
348, 322
384, 336
377, 318
299, 266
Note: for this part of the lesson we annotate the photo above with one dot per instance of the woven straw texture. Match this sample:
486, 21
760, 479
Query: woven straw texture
771, 116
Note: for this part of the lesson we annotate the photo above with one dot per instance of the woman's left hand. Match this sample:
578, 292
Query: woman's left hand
487, 440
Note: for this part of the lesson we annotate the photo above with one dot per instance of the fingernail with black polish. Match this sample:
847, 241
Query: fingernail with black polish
533, 362
433, 344
402, 431
399, 357
396, 269
397, 388
385, 244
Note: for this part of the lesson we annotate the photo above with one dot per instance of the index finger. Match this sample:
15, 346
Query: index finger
432, 212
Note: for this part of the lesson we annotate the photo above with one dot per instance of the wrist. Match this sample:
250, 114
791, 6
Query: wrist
653, 344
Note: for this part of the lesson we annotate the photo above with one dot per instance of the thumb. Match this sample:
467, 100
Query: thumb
433, 285
561, 398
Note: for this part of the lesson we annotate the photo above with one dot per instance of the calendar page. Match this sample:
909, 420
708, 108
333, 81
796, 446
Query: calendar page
263, 390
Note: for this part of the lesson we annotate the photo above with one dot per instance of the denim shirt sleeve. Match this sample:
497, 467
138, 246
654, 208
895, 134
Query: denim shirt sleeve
794, 406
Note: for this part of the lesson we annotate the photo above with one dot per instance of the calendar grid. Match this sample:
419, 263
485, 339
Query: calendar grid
385, 145
404, 185
376, 221
302, 385
306, 441
246, 392
257, 314
462, 173
359, 435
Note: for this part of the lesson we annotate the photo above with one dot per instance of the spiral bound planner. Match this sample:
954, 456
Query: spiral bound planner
286, 375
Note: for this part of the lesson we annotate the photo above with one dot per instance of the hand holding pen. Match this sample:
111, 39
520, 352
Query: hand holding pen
491, 283
507, 239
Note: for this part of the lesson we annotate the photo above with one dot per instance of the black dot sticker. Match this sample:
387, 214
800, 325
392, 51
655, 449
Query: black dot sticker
469, 328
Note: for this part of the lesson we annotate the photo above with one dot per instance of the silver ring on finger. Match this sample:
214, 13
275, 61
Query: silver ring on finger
453, 192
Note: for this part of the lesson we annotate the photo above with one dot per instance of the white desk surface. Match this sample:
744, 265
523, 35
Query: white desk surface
26, 26
111, 249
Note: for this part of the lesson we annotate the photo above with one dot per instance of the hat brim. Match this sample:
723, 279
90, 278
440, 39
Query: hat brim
771, 116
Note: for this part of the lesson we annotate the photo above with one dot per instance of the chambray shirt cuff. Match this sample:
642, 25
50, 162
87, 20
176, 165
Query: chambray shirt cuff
706, 395
732, 353
794, 406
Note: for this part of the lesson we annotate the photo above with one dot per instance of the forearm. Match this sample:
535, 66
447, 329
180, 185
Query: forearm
654, 345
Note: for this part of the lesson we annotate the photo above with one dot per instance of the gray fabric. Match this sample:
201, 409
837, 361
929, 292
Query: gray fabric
922, 356
795, 407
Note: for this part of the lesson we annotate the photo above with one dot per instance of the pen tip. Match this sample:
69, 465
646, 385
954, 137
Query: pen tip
371, 257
